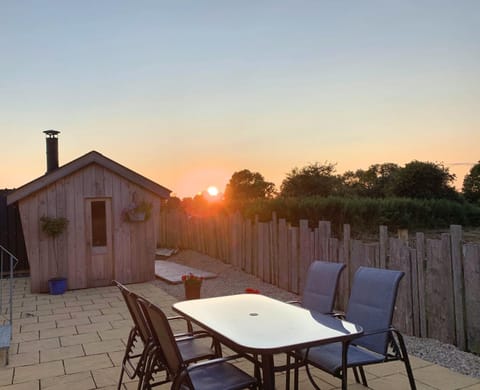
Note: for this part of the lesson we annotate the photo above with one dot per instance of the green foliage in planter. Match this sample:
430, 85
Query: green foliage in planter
53, 226
143, 207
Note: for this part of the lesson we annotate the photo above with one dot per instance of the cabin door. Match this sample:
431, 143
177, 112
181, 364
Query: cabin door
99, 242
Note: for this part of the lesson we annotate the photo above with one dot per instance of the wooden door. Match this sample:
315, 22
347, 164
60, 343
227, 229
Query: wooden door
99, 242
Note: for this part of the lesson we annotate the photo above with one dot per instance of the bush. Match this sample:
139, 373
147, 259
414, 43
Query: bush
366, 214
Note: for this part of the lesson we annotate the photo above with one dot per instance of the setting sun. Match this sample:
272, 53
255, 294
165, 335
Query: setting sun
212, 191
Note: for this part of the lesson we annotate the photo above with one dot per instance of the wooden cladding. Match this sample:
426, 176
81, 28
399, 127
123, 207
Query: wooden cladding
97, 245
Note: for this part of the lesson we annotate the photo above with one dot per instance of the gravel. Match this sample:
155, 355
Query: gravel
231, 280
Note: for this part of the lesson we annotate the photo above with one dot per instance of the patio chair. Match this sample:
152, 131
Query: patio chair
136, 356
371, 305
318, 294
321, 286
215, 374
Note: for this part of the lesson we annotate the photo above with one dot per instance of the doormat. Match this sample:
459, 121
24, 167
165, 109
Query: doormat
172, 272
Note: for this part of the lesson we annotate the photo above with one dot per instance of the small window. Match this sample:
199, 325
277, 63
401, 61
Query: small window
99, 223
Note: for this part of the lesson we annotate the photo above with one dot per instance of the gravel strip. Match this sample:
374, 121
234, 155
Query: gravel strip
231, 280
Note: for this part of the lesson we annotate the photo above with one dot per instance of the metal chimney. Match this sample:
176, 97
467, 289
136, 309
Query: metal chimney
52, 150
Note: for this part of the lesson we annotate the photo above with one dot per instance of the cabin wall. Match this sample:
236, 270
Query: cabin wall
133, 243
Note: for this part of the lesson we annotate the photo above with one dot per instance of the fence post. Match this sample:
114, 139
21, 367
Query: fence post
383, 243
305, 250
458, 285
420, 248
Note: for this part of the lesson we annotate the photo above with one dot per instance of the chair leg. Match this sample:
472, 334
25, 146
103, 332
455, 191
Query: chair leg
287, 374
362, 374
355, 374
406, 360
121, 378
310, 377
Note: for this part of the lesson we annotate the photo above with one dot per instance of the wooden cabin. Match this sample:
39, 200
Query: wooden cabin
104, 238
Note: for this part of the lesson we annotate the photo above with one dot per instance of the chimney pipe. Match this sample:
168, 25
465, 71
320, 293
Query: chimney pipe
52, 150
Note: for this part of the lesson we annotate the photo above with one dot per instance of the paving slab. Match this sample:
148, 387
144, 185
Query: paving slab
172, 272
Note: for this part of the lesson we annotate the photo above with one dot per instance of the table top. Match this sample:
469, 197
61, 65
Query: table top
260, 324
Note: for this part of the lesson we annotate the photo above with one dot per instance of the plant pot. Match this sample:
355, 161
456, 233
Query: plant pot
57, 286
192, 290
136, 216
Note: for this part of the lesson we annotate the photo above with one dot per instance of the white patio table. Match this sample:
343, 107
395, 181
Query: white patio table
259, 325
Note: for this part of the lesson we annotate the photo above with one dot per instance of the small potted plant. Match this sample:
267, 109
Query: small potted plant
192, 284
53, 227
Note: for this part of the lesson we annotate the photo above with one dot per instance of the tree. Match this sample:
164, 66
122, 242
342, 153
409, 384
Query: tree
375, 182
424, 180
247, 185
313, 179
471, 184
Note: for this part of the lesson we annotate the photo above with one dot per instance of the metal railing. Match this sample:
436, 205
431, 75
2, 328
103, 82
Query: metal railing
13, 261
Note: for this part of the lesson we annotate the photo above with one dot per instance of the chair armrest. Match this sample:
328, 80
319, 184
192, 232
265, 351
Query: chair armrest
189, 323
190, 336
294, 302
377, 331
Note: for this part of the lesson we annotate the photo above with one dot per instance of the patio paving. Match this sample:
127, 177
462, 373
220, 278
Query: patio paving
76, 341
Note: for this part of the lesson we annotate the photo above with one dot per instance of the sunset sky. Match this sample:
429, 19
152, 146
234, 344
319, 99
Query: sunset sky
188, 92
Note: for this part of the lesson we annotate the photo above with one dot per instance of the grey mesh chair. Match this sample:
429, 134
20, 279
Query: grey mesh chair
371, 305
140, 344
318, 295
215, 374
321, 286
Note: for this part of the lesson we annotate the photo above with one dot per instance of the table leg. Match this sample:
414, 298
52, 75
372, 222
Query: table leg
268, 372
344, 364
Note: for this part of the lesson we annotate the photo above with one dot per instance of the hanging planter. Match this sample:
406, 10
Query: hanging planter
137, 212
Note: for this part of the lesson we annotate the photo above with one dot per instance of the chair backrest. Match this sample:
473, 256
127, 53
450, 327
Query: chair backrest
371, 304
321, 286
163, 337
131, 299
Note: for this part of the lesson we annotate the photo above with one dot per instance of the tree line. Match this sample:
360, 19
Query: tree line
418, 195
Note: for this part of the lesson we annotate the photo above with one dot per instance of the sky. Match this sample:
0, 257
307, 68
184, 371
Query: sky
188, 92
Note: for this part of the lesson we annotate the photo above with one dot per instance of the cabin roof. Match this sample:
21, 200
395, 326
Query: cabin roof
92, 157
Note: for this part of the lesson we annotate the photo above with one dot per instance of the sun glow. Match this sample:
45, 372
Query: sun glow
212, 191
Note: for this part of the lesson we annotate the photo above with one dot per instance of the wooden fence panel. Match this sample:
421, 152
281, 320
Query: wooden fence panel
325, 232
439, 291
357, 259
420, 250
248, 246
458, 286
438, 296
400, 260
283, 266
472, 298
274, 249
415, 303
305, 251
293, 260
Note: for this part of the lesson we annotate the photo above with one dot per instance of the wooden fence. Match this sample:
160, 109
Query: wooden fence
439, 297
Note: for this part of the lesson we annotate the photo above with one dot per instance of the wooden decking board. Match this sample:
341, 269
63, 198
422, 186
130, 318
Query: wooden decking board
172, 272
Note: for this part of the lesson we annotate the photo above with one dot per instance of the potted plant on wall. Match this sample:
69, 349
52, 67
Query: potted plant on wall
53, 227
137, 212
